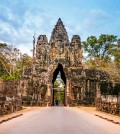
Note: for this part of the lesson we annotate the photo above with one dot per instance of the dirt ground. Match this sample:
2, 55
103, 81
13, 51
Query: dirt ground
25, 109
93, 111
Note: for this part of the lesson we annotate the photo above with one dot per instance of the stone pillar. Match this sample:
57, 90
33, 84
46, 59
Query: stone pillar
67, 94
88, 85
98, 93
82, 86
82, 93
49, 93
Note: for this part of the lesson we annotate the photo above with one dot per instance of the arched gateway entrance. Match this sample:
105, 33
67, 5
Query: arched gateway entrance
59, 93
61, 57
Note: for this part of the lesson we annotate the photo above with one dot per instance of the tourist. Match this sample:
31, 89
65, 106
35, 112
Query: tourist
57, 103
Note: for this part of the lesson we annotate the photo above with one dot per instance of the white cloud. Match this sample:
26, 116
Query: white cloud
19, 21
29, 23
26, 48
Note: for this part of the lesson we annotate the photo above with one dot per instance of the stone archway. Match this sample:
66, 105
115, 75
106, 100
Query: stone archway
60, 54
59, 69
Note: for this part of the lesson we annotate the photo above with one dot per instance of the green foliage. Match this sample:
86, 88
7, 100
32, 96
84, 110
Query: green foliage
11, 63
116, 53
56, 84
4, 62
100, 47
103, 53
25, 61
90, 46
14, 76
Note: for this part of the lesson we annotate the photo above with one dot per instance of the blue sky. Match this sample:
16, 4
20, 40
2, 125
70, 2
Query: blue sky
20, 19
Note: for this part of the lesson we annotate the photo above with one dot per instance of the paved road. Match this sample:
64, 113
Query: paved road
58, 120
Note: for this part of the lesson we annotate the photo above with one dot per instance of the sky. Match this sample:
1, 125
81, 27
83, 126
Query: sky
21, 19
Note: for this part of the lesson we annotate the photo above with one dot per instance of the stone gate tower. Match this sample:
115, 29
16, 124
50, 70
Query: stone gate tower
59, 52
64, 56
59, 49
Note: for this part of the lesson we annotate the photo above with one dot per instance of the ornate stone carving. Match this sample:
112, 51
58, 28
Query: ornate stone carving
59, 51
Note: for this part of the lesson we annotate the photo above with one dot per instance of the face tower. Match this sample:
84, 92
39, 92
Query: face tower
57, 56
59, 49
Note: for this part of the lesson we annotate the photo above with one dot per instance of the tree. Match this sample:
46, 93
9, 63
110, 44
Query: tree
114, 72
10, 60
24, 61
99, 47
115, 51
113, 67
99, 50
104, 54
4, 61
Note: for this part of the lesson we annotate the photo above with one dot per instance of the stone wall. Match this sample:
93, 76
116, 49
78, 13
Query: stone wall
109, 104
10, 98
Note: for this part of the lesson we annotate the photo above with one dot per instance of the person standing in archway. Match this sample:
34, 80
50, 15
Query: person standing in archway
57, 103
